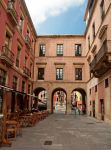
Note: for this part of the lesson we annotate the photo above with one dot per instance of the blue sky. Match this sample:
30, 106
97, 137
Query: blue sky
58, 16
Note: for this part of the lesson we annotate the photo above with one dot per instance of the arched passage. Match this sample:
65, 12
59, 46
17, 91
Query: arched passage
59, 98
78, 99
41, 102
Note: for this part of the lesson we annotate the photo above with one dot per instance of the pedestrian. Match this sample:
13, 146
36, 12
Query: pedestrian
74, 106
78, 110
83, 109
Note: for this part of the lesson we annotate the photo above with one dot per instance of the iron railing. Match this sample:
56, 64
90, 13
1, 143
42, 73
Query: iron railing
11, 10
7, 54
26, 71
102, 53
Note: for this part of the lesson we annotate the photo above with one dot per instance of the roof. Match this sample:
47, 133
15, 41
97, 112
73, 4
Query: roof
60, 35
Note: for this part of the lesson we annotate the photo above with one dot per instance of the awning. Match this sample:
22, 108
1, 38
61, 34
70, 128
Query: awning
8, 89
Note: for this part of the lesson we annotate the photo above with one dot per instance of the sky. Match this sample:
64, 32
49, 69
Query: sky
57, 16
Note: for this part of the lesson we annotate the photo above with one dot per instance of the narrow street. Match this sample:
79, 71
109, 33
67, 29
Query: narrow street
65, 132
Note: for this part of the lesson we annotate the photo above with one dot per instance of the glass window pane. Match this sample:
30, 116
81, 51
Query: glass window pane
78, 73
78, 50
40, 73
42, 50
59, 74
59, 49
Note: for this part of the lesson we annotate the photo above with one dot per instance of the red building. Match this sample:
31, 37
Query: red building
17, 42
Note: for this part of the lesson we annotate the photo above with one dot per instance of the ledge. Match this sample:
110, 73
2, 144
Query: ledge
78, 63
59, 63
41, 63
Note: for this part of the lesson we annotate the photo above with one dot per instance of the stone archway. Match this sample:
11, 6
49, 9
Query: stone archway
41, 102
59, 101
78, 97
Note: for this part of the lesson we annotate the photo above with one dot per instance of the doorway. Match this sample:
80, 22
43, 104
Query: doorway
59, 101
102, 108
78, 97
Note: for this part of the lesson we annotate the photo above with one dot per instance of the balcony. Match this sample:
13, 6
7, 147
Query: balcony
26, 71
7, 56
102, 60
12, 12
28, 41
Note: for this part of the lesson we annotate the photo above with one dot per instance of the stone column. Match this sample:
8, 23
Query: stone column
68, 111
49, 101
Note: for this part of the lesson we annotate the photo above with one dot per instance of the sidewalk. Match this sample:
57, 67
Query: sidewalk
65, 132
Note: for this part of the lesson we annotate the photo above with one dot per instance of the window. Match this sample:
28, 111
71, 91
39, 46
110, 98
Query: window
59, 49
28, 32
106, 83
3, 75
40, 73
77, 49
91, 5
96, 88
23, 86
102, 10
93, 30
42, 50
21, 24
78, 73
7, 40
90, 91
1, 100
89, 42
18, 56
31, 65
29, 88
25, 61
14, 84
59, 74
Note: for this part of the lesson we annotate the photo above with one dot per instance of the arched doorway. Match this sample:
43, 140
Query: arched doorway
40, 102
59, 98
78, 100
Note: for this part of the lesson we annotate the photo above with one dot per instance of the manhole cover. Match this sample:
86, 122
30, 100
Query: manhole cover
90, 123
48, 143
98, 122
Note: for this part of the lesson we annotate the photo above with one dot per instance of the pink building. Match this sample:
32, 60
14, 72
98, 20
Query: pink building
60, 67
17, 48
98, 46
55, 67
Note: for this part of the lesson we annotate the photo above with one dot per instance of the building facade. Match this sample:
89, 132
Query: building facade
98, 45
17, 48
59, 69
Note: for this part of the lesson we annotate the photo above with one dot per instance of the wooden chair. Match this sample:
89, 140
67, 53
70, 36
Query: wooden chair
11, 133
11, 129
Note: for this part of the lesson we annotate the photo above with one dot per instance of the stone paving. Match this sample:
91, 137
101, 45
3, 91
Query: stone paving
65, 132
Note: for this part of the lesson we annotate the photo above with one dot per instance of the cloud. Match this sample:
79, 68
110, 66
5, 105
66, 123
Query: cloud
40, 10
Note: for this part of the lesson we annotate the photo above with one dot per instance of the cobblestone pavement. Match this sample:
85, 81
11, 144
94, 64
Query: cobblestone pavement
65, 132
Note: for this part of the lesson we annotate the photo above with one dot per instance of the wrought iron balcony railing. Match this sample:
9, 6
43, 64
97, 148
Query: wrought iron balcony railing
102, 59
11, 11
7, 55
28, 41
26, 71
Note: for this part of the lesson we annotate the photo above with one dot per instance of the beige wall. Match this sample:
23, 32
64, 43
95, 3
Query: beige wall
68, 62
96, 17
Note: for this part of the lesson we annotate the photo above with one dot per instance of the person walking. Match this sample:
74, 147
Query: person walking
74, 106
